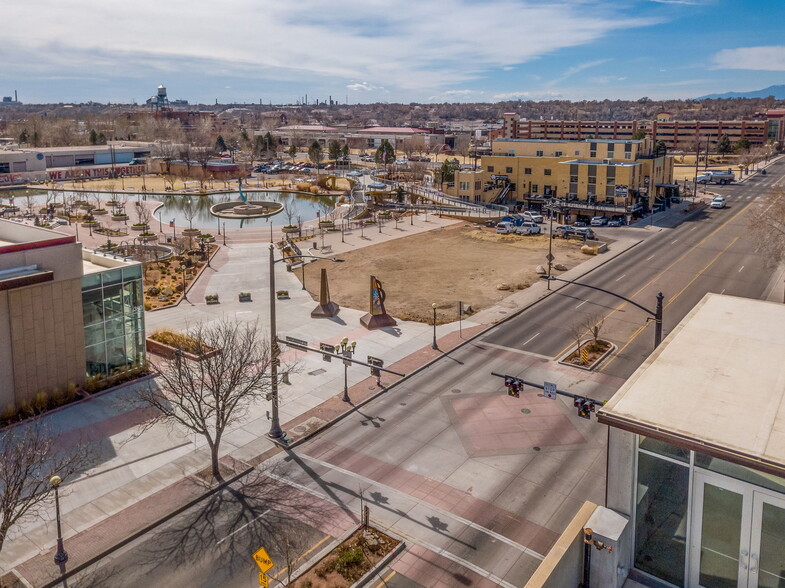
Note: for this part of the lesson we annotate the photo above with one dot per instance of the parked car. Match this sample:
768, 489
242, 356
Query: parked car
617, 221
718, 202
580, 223
528, 228
568, 232
599, 221
534, 217
505, 228
354, 174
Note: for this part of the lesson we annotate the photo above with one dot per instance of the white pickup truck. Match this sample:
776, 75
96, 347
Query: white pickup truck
716, 177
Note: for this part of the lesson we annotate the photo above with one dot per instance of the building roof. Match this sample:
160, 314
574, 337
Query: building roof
308, 128
715, 385
601, 162
620, 141
394, 130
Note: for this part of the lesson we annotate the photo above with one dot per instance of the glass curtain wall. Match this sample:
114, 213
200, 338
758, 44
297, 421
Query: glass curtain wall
113, 309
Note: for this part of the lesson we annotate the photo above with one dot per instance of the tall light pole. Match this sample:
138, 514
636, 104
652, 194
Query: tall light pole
434, 345
62, 555
347, 350
275, 426
550, 246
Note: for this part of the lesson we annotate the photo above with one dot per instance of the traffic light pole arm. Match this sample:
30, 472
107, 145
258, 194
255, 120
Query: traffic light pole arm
339, 356
643, 308
541, 387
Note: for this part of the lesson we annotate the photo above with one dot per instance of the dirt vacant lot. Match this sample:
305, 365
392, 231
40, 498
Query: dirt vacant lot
461, 262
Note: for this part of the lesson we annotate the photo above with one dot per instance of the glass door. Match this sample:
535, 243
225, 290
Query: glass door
720, 531
767, 549
737, 534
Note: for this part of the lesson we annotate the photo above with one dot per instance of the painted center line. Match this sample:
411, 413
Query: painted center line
620, 277
530, 339
741, 268
672, 242
692, 229
650, 257
581, 304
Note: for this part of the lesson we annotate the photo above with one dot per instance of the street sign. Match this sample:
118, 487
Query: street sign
264, 580
295, 341
550, 257
376, 363
263, 560
329, 349
549, 390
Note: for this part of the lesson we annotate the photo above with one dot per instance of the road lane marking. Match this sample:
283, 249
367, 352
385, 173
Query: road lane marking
516, 350
581, 304
385, 580
700, 273
441, 511
650, 257
530, 339
620, 277
741, 268
460, 561
243, 527
674, 241
692, 229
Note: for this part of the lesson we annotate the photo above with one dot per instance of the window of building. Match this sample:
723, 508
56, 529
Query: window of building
490, 168
535, 187
592, 149
539, 154
5, 168
508, 170
547, 172
660, 537
558, 154
527, 171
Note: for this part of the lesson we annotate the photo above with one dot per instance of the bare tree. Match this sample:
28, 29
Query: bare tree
209, 396
463, 143
593, 324
29, 457
143, 214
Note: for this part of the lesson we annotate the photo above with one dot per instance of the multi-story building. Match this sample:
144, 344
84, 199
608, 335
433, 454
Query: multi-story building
675, 134
583, 178
65, 313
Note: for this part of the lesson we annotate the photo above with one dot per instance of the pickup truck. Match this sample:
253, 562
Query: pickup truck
716, 177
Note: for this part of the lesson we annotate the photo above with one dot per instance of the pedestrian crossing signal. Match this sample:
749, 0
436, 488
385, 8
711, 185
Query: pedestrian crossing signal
514, 386
585, 407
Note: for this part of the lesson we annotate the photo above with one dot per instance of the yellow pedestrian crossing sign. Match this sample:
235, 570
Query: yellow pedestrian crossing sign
263, 560
264, 580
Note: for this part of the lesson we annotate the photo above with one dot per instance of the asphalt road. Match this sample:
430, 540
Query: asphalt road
709, 252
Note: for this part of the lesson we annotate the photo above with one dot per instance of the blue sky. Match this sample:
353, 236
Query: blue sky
382, 51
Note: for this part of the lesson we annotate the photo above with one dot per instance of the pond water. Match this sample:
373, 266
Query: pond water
175, 206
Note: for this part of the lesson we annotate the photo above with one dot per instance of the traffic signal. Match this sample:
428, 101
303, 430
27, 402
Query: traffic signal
585, 406
514, 386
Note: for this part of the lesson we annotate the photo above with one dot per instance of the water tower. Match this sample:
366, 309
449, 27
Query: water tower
161, 101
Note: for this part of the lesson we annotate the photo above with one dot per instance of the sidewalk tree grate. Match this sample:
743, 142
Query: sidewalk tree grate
456, 390
318, 372
525, 411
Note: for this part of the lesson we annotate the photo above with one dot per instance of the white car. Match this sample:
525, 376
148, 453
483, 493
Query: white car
598, 221
505, 227
533, 217
528, 228
718, 202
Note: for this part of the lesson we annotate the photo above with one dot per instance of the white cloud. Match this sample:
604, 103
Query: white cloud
419, 46
526, 95
759, 58
361, 87
570, 71
683, 2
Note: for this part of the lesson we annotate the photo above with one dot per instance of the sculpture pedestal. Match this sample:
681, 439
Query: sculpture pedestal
325, 310
377, 321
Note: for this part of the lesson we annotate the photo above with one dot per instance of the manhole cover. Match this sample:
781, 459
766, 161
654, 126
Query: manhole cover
300, 429
371, 387
525, 411
456, 390
318, 372
536, 448
402, 404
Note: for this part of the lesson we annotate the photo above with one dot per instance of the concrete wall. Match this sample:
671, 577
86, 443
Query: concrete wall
563, 566
47, 339
620, 490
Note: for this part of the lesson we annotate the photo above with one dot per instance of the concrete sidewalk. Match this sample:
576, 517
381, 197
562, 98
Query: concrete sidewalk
141, 478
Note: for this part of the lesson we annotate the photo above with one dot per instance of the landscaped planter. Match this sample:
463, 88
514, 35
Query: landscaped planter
325, 224
289, 230
100, 211
148, 238
168, 352
120, 217
244, 297
212, 299
140, 227
88, 224
191, 232
282, 294
207, 238
594, 358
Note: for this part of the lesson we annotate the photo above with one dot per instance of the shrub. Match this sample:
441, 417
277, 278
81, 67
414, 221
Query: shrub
41, 401
175, 339
9, 412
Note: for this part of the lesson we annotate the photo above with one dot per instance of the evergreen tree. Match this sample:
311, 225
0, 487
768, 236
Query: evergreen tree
23, 136
220, 144
292, 151
741, 145
93, 137
334, 149
723, 145
315, 153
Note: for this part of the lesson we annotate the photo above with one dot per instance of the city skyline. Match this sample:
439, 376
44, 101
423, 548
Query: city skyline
456, 51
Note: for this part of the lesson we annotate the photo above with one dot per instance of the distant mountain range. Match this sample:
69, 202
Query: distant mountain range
777, 91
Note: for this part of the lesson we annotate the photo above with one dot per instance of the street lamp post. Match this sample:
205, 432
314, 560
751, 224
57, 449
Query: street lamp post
224, 233
275, 426
434, 345
62, 555
347, 350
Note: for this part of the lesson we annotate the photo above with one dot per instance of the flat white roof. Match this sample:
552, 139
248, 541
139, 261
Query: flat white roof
715, 385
